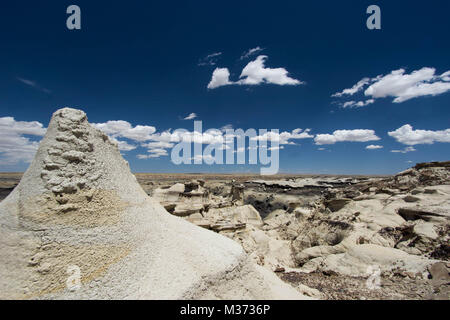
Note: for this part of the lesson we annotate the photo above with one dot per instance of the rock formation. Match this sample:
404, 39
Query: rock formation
79, 214
346, 227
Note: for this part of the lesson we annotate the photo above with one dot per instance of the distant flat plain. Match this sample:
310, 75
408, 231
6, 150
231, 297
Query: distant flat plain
9, 180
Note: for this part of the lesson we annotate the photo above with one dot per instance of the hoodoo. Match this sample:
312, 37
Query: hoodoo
78, 207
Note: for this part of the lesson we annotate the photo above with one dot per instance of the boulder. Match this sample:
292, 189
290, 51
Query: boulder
439, 273
237, 214
237, 193
425, 230
358, 260
411, 199
337, 204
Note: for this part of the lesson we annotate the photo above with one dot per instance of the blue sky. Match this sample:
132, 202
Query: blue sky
143, 62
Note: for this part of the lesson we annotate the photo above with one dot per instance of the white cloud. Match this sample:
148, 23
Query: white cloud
227, 127
158, 144
123, 145
153, 153
446, 76
255, 73
374, 147
210, 60
357, 135
402, 86
27, 82
8, 125
14, 146
33, 84
190, 116
357, 104
405, 150
120, 128
167, 139
408, 136
284, 137
220, 78
207, 137
201, 157
251, 52
356, 88
156, 153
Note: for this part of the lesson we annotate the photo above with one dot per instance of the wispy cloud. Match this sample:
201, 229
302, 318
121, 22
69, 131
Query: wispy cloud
153, 153
190, 116
210, 60
405, 150
356, 88
357, 104
251, 52
33, 84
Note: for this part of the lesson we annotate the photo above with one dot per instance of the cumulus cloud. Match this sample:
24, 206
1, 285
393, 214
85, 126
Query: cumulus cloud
284, 137
210, 59
161, 141
153, 153
254, 73
357, 135
220, 137
402, 86
374, 147
190, 116
120, 128
116, 129
446, 76
220, 78
158, 145
15, 147
251, 52
405, 150
407, 135
123, 145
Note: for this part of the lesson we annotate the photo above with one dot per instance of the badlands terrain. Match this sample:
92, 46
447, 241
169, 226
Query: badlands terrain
324, 235
331, 237
194, 236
